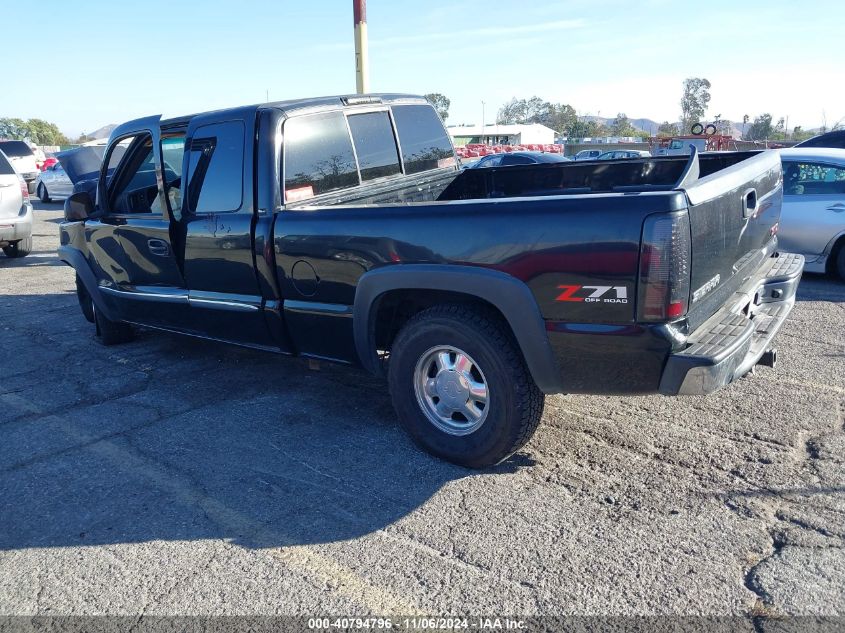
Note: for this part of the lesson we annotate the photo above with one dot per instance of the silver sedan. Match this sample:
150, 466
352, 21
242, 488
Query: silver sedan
813, 217
53, 183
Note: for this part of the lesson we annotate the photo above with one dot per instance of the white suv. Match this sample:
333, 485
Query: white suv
23, 160
15, 212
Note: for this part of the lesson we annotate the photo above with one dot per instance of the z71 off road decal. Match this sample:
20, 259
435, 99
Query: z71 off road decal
571, 293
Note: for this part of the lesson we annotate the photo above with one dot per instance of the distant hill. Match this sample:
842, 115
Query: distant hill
102, 132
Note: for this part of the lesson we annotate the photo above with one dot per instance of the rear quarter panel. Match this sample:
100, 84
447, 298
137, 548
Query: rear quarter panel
545, 242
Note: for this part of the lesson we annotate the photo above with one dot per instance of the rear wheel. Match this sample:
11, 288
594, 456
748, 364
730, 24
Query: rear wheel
21, 248
42, 193
112, 332
85, 301
461, 388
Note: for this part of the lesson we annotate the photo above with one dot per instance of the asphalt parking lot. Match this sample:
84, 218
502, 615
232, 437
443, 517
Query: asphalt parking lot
173, 476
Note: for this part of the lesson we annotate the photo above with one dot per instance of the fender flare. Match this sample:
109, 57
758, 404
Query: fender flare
74, 258
509, 295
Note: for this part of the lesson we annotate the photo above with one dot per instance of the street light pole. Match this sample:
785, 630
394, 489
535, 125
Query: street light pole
362, 62
482, 120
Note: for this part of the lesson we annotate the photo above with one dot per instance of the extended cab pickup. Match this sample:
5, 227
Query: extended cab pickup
342, 228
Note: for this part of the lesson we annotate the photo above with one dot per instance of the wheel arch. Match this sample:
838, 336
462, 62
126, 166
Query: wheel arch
510, 297
74, 258
835, 245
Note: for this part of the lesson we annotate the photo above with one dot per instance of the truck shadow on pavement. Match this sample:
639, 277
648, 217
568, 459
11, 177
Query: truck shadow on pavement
170, 438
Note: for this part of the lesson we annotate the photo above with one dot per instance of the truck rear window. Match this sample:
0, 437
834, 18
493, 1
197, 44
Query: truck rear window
424, 142
375, 145
318, 156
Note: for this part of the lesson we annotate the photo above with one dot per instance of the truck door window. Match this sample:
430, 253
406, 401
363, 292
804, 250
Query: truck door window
425, 144
318, 156
216, 168
131, 176
172, 152
375, 145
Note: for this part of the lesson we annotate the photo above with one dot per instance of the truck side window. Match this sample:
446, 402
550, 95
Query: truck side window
216, 168
375, 145
425, 144
318, 156
132, 176
172, 152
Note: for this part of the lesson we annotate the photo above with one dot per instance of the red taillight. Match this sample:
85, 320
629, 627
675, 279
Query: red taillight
664, 267
24, 188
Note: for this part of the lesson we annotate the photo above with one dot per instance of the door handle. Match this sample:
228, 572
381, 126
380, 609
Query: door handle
158, 247
839, 207
749, 203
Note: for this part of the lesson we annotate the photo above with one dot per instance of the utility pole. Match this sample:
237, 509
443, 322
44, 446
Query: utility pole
482, 122
362, 62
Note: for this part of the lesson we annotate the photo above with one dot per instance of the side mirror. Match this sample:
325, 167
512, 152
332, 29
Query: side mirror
78, 206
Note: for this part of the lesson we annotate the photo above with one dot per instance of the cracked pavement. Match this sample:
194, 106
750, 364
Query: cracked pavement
175, 476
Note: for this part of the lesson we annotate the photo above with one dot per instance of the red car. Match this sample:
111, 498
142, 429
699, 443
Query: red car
49, 162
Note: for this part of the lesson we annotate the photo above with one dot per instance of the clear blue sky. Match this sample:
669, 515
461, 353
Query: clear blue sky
97, 62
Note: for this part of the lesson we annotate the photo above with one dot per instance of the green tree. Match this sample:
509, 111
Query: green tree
621, 126
35, 130
800, 134
591, 128
561, 117
761, 129
12, 128
440, 102
667, 129
694, 101
45, 133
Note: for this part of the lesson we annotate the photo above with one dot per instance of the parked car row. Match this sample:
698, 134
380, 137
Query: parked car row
813, 214
23, 160
15, 211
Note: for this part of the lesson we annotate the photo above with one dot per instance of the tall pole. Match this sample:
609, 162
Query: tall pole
362, 62
482, 122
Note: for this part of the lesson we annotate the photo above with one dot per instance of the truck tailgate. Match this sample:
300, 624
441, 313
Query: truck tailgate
734, 214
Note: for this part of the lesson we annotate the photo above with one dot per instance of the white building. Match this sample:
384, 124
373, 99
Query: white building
502, 134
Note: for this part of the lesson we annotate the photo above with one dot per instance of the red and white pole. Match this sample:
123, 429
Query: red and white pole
362, 62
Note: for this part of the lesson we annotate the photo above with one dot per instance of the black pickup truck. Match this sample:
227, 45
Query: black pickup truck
343, 228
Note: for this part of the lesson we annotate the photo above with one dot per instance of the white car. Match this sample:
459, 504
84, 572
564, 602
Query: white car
15, 211
812, 220
23, 160
53, 183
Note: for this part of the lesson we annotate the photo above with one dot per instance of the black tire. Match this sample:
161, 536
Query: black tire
42, 193
112, 332
85, 301
515, 404
697, 128
839, 264
21, 248
710, 130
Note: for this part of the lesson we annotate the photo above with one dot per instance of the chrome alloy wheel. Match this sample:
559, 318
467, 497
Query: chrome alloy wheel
451, 390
